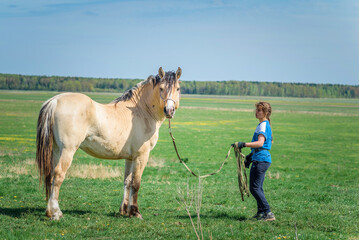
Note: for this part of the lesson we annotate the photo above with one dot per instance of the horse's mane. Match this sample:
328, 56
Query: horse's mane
170, 79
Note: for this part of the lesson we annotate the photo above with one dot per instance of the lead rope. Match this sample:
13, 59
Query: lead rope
242, 175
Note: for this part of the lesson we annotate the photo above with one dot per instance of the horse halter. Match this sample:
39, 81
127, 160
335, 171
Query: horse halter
166, 99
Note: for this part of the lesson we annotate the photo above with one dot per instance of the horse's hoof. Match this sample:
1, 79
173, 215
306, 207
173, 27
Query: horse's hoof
124, 209
120, 214
137, 215
54, 216
123, 213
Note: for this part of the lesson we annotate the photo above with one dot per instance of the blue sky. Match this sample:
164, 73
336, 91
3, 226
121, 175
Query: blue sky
275, 41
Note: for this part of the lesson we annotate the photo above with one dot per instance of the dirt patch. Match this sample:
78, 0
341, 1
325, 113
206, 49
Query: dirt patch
89, 171
21, 100
27, 167
220, 109
273, 175
94, 171
156, 162
277, 111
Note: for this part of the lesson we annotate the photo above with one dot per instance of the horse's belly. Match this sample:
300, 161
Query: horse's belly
104, 150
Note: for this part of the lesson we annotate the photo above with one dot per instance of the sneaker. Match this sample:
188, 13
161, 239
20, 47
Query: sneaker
258, 216
269, 217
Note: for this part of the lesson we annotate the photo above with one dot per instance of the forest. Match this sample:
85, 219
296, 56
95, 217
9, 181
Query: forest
238, 88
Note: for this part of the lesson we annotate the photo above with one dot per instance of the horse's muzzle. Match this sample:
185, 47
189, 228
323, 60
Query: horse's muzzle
169, 111
169, 108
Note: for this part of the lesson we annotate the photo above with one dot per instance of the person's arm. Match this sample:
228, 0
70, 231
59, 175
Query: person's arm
258, 143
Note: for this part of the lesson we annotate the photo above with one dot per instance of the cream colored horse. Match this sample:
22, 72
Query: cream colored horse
126, 128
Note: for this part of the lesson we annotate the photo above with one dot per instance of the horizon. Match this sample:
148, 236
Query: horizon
307, 42
143, 79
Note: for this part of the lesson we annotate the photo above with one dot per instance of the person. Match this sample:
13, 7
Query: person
261, 159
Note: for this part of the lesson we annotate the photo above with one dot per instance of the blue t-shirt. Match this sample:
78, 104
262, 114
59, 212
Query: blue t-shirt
264, 129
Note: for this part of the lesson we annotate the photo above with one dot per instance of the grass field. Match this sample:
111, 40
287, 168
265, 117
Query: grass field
312, 185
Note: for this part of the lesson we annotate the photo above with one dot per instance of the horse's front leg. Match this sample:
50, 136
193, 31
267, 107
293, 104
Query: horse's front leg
126, 192
137, 169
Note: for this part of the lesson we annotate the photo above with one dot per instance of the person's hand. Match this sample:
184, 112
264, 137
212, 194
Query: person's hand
241, 145
248, 160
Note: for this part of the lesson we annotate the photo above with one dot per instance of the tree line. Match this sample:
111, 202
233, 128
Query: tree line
239, 88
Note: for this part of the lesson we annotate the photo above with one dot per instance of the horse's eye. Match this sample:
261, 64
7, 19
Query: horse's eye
161, 89
178, 89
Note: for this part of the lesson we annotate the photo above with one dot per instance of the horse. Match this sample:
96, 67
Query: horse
126, 128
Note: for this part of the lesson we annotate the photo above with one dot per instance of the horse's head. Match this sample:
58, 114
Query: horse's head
169, 90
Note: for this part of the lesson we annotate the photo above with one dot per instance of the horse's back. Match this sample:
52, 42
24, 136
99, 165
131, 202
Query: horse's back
75, 106
70, 97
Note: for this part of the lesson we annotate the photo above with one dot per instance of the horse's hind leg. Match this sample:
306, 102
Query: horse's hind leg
126, 191
62, 161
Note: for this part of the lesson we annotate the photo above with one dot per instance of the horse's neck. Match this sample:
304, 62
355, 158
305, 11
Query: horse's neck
146, 105
143, 101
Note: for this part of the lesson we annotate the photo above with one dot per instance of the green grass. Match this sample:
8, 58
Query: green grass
313, 183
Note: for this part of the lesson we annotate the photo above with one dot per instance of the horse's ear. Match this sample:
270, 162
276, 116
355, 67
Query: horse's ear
161, 73
178, 73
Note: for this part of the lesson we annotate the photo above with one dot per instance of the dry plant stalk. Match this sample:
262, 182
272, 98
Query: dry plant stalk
296, 231
186, 200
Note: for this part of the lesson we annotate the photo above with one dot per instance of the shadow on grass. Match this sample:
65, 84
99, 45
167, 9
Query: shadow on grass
117, 215
217, 216
20, 212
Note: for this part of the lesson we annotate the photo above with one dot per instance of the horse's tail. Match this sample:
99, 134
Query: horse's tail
44, 141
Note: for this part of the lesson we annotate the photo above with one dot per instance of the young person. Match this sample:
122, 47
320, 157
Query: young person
261, 159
